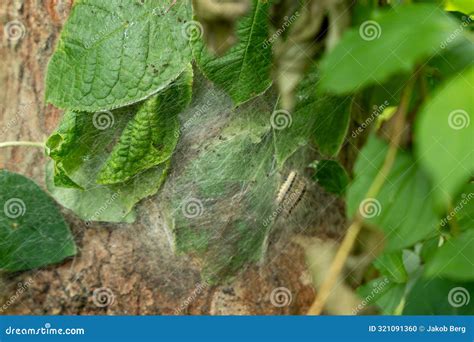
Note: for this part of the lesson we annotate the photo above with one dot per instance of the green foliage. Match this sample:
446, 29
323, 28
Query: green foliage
388, 44
150, 137
317, 116
32, 231
385, 294
331, 176
122, 72
234, 167
439, 297
118, 52
454, 259
244, 70
465, 6
391, 265
445, 131
403, 209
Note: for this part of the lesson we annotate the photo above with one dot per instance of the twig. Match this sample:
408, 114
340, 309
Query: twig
22, 143
354, 229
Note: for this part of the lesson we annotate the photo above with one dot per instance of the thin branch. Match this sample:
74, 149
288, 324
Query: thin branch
354, 229
22, 143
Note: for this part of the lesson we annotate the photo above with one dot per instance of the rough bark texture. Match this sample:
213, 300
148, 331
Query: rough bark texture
133, 262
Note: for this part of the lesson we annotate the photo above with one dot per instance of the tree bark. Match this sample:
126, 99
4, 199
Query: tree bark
131, 264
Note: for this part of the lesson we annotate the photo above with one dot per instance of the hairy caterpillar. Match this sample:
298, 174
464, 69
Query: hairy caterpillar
291, 192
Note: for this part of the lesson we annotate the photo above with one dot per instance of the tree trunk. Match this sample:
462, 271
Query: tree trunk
120, 269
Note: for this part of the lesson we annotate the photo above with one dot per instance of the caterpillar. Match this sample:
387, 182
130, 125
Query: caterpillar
291, 192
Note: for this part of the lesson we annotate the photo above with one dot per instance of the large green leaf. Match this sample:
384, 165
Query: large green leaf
117, 52
444, 132
454, 260
403, 209
244, 70
151, 136
440, 297
387, 45
33, 232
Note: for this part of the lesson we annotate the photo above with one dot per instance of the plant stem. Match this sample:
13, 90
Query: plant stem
22, 143
353, 231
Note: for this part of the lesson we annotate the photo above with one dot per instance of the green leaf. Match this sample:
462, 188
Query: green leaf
440, 297
331, 176
243, 71
452, 60
403, 209
81, 150
151, 136
321, 116
464, 208
332, 116
464, 6
444, 132
105, 203
454, 259
387, 45
461, 215
391, 265
387, 295
33, 232
118, 52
